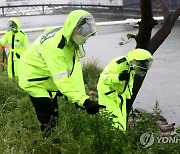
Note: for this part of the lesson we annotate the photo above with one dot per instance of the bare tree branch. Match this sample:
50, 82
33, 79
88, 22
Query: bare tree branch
131, 36
176, 13
164, 8
145, 26
146, 10
165, 30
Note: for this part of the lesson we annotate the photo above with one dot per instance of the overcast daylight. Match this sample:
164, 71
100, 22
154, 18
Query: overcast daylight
89, 76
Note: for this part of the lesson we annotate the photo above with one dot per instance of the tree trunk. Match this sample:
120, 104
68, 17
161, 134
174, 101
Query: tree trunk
143, 38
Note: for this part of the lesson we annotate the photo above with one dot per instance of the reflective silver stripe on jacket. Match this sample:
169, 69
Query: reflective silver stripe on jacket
60, 75
106, 75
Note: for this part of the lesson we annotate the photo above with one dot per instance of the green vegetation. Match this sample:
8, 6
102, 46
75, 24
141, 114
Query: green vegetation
78, 132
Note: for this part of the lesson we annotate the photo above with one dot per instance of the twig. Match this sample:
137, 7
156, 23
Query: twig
164, 8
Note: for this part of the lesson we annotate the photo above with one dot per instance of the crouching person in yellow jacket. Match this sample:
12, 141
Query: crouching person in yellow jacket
52, 64
18, 42
116, 82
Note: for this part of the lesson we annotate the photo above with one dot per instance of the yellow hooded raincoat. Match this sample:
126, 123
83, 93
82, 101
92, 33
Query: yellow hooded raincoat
112, 92
51, 64
17, 41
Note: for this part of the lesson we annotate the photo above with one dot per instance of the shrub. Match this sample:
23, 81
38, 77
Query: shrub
77, 131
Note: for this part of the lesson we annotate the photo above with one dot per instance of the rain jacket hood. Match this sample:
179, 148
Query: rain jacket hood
17, 23
138, 54
71, 23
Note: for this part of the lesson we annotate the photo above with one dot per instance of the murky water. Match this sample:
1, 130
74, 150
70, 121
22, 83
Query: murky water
162, 82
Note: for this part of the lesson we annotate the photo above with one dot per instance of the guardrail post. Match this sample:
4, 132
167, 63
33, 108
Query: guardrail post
3, 11
42, 9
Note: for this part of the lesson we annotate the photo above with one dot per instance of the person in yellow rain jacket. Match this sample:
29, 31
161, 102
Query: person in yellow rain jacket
116, 82
52, 64
17, 41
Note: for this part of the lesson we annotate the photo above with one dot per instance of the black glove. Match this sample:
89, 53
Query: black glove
91, 107
125, 75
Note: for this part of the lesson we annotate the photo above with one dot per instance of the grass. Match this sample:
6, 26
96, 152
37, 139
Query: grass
78, 132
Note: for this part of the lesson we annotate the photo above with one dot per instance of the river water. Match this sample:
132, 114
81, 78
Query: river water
162, 82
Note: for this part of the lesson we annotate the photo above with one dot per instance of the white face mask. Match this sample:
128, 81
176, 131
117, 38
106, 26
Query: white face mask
79, 39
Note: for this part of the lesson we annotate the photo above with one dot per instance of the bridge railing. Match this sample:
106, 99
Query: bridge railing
34, 2
40, 9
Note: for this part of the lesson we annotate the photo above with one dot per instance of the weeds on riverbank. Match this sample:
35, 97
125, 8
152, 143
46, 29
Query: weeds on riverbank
78, 132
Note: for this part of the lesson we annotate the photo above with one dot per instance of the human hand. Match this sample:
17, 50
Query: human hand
124, 76
92, 107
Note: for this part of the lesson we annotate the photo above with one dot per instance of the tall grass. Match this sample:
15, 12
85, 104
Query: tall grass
78, 132
91, 73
